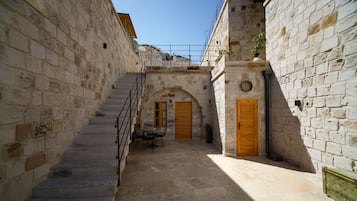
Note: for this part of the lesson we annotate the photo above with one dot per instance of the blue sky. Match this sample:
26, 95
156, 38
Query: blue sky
170, 22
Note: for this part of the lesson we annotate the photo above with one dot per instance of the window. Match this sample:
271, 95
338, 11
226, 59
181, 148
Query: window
160, 114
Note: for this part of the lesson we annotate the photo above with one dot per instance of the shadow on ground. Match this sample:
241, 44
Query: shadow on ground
176, 170
192, 170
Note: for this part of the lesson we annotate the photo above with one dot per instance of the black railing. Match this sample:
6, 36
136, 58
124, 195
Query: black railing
124, 119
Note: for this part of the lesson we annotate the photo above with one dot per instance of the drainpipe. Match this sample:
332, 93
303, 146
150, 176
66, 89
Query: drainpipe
266, 74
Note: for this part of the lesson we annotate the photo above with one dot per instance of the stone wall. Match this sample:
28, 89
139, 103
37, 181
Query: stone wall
246, 20
312, 48
227, 77
238, 22
181, 84
54, 72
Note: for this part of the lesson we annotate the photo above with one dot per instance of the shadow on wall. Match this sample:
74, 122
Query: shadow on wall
217, 138
286, 139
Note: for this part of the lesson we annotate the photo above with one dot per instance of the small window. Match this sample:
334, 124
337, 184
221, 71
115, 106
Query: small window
160, 115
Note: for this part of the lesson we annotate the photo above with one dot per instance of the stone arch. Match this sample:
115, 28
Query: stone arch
170, 96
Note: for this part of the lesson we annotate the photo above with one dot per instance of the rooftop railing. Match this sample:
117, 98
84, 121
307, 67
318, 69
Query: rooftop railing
179, 55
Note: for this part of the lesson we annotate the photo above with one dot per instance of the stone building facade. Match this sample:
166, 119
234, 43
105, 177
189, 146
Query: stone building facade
58, 63
234, 29
312, 49
164, 84
237, 24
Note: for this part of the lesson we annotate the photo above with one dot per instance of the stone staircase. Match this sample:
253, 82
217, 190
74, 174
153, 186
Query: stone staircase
88, 171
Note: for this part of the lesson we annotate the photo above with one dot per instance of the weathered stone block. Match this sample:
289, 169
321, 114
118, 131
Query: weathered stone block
323, 90
331, 124
23, 132
7, 75
350, 47
338, 113
15, 150
352, 113
16, 58
308, 141
33, 64
333, 101
41, 172
315, 154
11, 114
349, 152
346, 23
319, 102
35, 160
316, 123
336, 53
31, 115
342, 162
319, 145
51, 57
17, 96
42, 82
350, 61
329, 43
347, 74
347, 10
352, 140
14, 168
338, 88
37, 50
333, 148
331, 77
322, 134
18, 40
337, 137
327, 158
36, 98
336, 65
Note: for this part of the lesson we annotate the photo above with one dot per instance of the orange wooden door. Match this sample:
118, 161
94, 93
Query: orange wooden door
247, 127
183, 116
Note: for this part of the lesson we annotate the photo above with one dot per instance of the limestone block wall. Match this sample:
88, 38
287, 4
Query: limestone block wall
227, 77
246, 20
180, 85
54, 72
238, 22
219, 92
311, 46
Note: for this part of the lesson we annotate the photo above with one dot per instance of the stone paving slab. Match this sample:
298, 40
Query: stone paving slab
180, 170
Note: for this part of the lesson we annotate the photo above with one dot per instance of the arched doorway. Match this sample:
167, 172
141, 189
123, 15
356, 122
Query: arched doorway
174, 109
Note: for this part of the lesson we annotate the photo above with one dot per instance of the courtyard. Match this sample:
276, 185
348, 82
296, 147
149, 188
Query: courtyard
178, 170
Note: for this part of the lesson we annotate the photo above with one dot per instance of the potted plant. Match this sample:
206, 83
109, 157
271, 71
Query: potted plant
209, 133
258, 44
222, 53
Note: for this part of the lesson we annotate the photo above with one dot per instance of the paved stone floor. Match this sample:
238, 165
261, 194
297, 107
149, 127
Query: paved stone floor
192, 170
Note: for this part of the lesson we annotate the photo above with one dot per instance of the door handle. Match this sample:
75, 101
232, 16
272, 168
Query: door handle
238, 125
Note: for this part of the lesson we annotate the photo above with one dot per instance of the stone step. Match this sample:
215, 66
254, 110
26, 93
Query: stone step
85, 168
98, 129
105, 120
91, 153
76, 188
112, 101
88, 171
95, 139
75, 199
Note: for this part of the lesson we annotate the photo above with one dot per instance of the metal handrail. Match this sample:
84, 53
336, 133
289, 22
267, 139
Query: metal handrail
124, 119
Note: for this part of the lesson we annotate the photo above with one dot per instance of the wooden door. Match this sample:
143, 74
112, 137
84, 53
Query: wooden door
247, 127
183, 117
